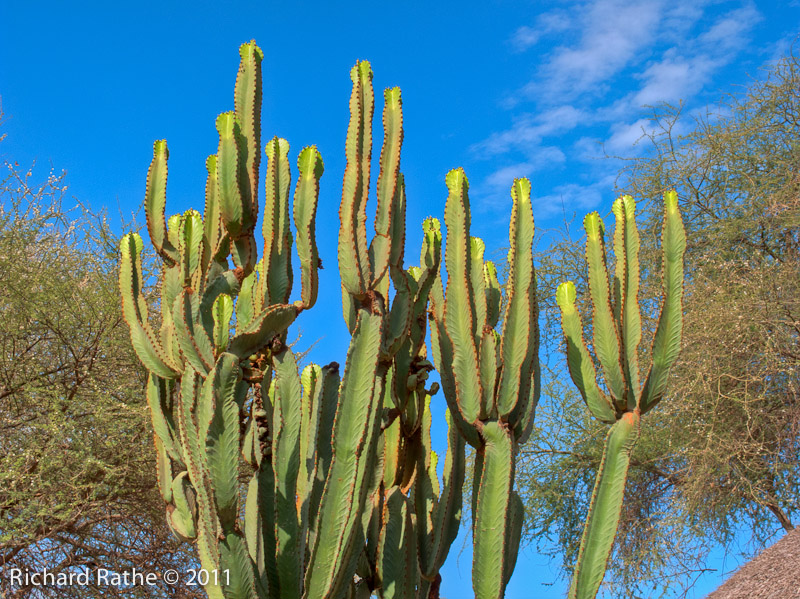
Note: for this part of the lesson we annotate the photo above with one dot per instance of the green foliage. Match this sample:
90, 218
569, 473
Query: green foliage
76, 459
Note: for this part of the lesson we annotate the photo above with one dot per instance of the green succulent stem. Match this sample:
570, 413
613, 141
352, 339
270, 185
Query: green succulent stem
308, 484
606, 505
617, 327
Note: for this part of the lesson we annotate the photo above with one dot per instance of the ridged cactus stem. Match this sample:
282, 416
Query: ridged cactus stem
617, 333
380, 248
438, 507
276, 281
310, 167
156, 201
606, 505
247, 100
343, 498
201, 376
342, 495
490, 379
353, 259
134, 309
492, 514
365, 522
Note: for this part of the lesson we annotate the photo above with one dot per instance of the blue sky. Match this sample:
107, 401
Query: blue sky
502, 88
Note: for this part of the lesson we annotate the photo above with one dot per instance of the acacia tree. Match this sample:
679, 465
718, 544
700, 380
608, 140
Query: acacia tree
76, 459
719, 460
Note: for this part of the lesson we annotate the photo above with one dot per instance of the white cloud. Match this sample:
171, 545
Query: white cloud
546, 24
587, 149
528, 130
613, 57
613, 33
499, 181
684, 70
728, 34
504, 177
618, 35
672, 79
574, 197
560, 119
625, 135
524, 38
495, 188
680, 18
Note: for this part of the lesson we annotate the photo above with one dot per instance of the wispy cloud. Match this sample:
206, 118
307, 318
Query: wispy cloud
606, 45
524, 38
546, 24
504, 177
614, 57
625, 135
728, 33
672, 79
575, 197
684, 70
494, 189
529, 129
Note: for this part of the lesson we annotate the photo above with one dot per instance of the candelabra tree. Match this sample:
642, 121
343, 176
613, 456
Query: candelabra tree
409, 520
490, 379
342, 485
617, 331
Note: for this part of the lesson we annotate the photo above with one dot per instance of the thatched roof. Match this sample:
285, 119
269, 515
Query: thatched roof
772, 574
